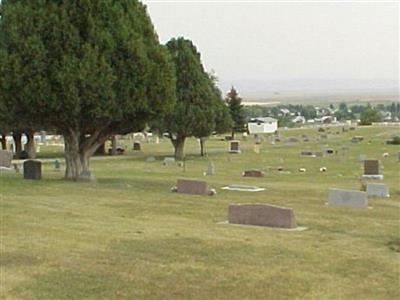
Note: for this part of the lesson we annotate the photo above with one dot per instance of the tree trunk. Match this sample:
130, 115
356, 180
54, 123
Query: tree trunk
233, 134
101, 150
73, 165
113, 145
17, 144
30, 144
202, 146
179, 144
78, 152
3, 142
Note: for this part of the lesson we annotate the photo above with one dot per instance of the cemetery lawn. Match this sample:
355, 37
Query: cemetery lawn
126, 236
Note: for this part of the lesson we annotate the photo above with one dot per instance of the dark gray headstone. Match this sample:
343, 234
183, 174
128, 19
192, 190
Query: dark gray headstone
32, 170
371, 167
234, 147
137, 146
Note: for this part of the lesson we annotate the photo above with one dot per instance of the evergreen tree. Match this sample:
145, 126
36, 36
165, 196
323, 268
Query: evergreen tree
89, 69
236, 110
194, 112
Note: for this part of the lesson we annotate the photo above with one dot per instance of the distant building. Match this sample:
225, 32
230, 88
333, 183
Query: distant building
262, 125
299, 120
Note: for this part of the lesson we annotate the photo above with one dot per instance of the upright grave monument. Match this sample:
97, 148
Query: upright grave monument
192, 187
378, 190
348, 198
371, 170
261, 215
5, 158
32, 170
234, 147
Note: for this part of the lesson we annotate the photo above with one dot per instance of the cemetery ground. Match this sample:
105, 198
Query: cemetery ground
126, 236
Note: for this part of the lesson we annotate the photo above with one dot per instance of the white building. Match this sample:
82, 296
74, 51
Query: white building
262, 125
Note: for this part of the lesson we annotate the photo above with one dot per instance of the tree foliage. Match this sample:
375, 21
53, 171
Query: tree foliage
236, 110
88, 69
196, 112
370, 115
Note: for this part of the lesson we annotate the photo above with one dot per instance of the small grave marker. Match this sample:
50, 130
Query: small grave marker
253, 173
234, 147
137, 146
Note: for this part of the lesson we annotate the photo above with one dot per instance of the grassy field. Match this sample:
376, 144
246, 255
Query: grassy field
126, 236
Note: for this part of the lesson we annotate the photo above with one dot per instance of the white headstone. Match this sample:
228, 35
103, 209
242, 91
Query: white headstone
378, 190
349, 198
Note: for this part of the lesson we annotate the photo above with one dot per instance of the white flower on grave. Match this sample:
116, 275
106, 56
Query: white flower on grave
174, 189
302, 170
212, 192
323, 169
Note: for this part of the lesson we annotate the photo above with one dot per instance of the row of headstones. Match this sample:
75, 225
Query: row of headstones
276, 216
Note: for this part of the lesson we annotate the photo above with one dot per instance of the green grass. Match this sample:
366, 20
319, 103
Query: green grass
126, 236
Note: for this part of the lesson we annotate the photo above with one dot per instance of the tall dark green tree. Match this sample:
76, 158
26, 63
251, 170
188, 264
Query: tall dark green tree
193, 113
89, 69
370, 115
236, 110
222, 119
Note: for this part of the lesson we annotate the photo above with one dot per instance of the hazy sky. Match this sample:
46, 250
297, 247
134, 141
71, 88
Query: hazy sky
251, 40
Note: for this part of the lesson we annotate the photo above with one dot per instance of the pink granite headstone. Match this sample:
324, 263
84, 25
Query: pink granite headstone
262, 215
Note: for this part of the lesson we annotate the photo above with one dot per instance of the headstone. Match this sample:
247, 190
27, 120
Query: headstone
210, 169
193, 187
137, 146
234, 147
378, 190
329, 151
56, 165
262, 215
257, 149
32, 170
150, 159
349, 198
5, 158
168, 160
307, 153
371, 167
253, 173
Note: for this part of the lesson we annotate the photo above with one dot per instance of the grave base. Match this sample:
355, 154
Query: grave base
378, 177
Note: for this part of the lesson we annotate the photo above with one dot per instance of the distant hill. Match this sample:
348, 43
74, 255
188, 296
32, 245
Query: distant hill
315, 90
